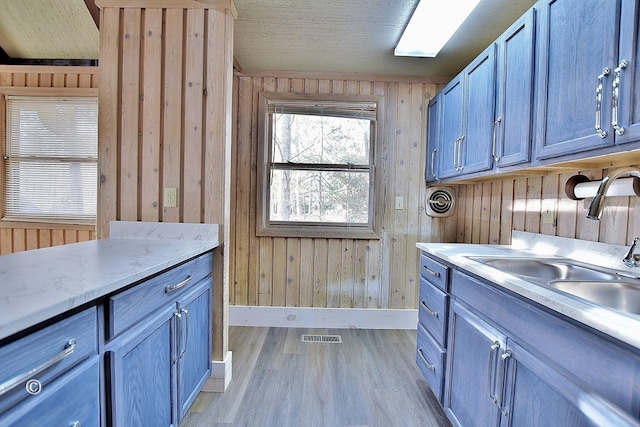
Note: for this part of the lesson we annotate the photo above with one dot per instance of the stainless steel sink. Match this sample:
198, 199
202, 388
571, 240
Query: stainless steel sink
544, 270
620, 295
598, 285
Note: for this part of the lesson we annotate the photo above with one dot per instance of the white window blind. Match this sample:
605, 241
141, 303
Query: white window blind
50, 159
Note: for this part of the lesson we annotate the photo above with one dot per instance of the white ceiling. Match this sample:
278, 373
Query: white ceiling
356, 36
327, 36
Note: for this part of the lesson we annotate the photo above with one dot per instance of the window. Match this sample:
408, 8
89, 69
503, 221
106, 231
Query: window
50, 158
317, 166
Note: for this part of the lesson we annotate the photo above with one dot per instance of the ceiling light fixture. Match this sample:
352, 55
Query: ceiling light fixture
432, 25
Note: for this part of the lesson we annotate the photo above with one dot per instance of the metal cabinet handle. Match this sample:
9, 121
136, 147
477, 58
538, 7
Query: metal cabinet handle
433, 163
492, 351
494, 146
429, 365
186, 341
506, 355
431, 272
171, 288
601, 132
455, 153
69, 347
616, 96
431, 312
461, 157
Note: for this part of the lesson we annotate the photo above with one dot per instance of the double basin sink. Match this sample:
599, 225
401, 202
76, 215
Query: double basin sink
598, 285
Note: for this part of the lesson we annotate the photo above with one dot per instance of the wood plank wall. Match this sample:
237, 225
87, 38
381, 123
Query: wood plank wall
489, 210
16, 237
166, 76
309, 272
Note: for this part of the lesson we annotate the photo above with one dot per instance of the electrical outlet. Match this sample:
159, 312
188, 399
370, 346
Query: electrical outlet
399, 203
548, 217
170, 197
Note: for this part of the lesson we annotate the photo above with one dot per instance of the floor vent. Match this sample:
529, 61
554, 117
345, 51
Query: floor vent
330, 339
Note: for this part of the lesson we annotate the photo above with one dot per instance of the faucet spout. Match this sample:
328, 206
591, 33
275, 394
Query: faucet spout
597, 204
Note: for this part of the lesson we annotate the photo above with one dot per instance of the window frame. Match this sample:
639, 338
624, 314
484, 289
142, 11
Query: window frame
6, 91
265, 227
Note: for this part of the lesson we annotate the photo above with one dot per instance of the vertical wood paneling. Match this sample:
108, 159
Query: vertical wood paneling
172, 108
150, 106
16, 237
130, 120
318, 272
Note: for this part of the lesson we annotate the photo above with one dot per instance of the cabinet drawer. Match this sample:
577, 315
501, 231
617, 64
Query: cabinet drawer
434, 272
433, 311
430, 359
73, 399
128, 307
45, 355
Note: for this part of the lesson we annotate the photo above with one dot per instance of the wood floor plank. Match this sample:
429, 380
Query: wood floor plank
370, 379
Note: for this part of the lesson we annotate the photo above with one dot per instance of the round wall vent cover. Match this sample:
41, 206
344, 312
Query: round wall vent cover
440, 201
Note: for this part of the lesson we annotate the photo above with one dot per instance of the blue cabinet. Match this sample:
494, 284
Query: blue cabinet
433, 313
510, 363
577, 50
51, 376
472, 384
513, 122
626, 77
451, 130
160, 358
194, 344
467, 109
433, 140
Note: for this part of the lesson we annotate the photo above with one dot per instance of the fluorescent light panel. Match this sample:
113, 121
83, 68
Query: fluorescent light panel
432, 25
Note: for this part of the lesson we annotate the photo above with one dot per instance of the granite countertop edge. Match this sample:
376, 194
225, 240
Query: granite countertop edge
40, 284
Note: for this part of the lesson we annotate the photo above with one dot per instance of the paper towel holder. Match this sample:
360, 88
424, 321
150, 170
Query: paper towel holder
580, 187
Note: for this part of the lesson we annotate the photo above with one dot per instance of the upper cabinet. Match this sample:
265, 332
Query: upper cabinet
514, 93
578, 75
433, 142
626, 77
466, 133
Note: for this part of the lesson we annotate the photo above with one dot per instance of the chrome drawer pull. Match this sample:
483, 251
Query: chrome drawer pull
69, 347
431, 312
492, 350
186, 341
601, 132
171, 288
616, 96
429, 365
431, 272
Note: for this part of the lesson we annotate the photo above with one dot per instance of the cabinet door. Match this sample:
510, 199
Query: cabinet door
514, 99
433, 141
537, 394
577, 40
143, 372
472, 377
194, 344
452, 100
626, 76
477, 138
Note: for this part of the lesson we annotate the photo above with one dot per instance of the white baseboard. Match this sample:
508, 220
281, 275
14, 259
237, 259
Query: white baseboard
221, 374
334, 318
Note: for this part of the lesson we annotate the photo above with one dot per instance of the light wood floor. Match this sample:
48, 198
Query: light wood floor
371, 379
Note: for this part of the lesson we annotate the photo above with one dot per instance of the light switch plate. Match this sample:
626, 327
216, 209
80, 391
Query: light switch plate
399, 203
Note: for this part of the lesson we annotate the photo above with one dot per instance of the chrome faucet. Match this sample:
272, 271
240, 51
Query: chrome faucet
631, 259
595, 209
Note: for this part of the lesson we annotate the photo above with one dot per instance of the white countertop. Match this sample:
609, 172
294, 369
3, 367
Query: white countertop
39, 284
617, 324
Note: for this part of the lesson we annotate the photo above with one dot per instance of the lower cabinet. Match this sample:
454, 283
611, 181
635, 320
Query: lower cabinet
158, 367
495, 378
72, 400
